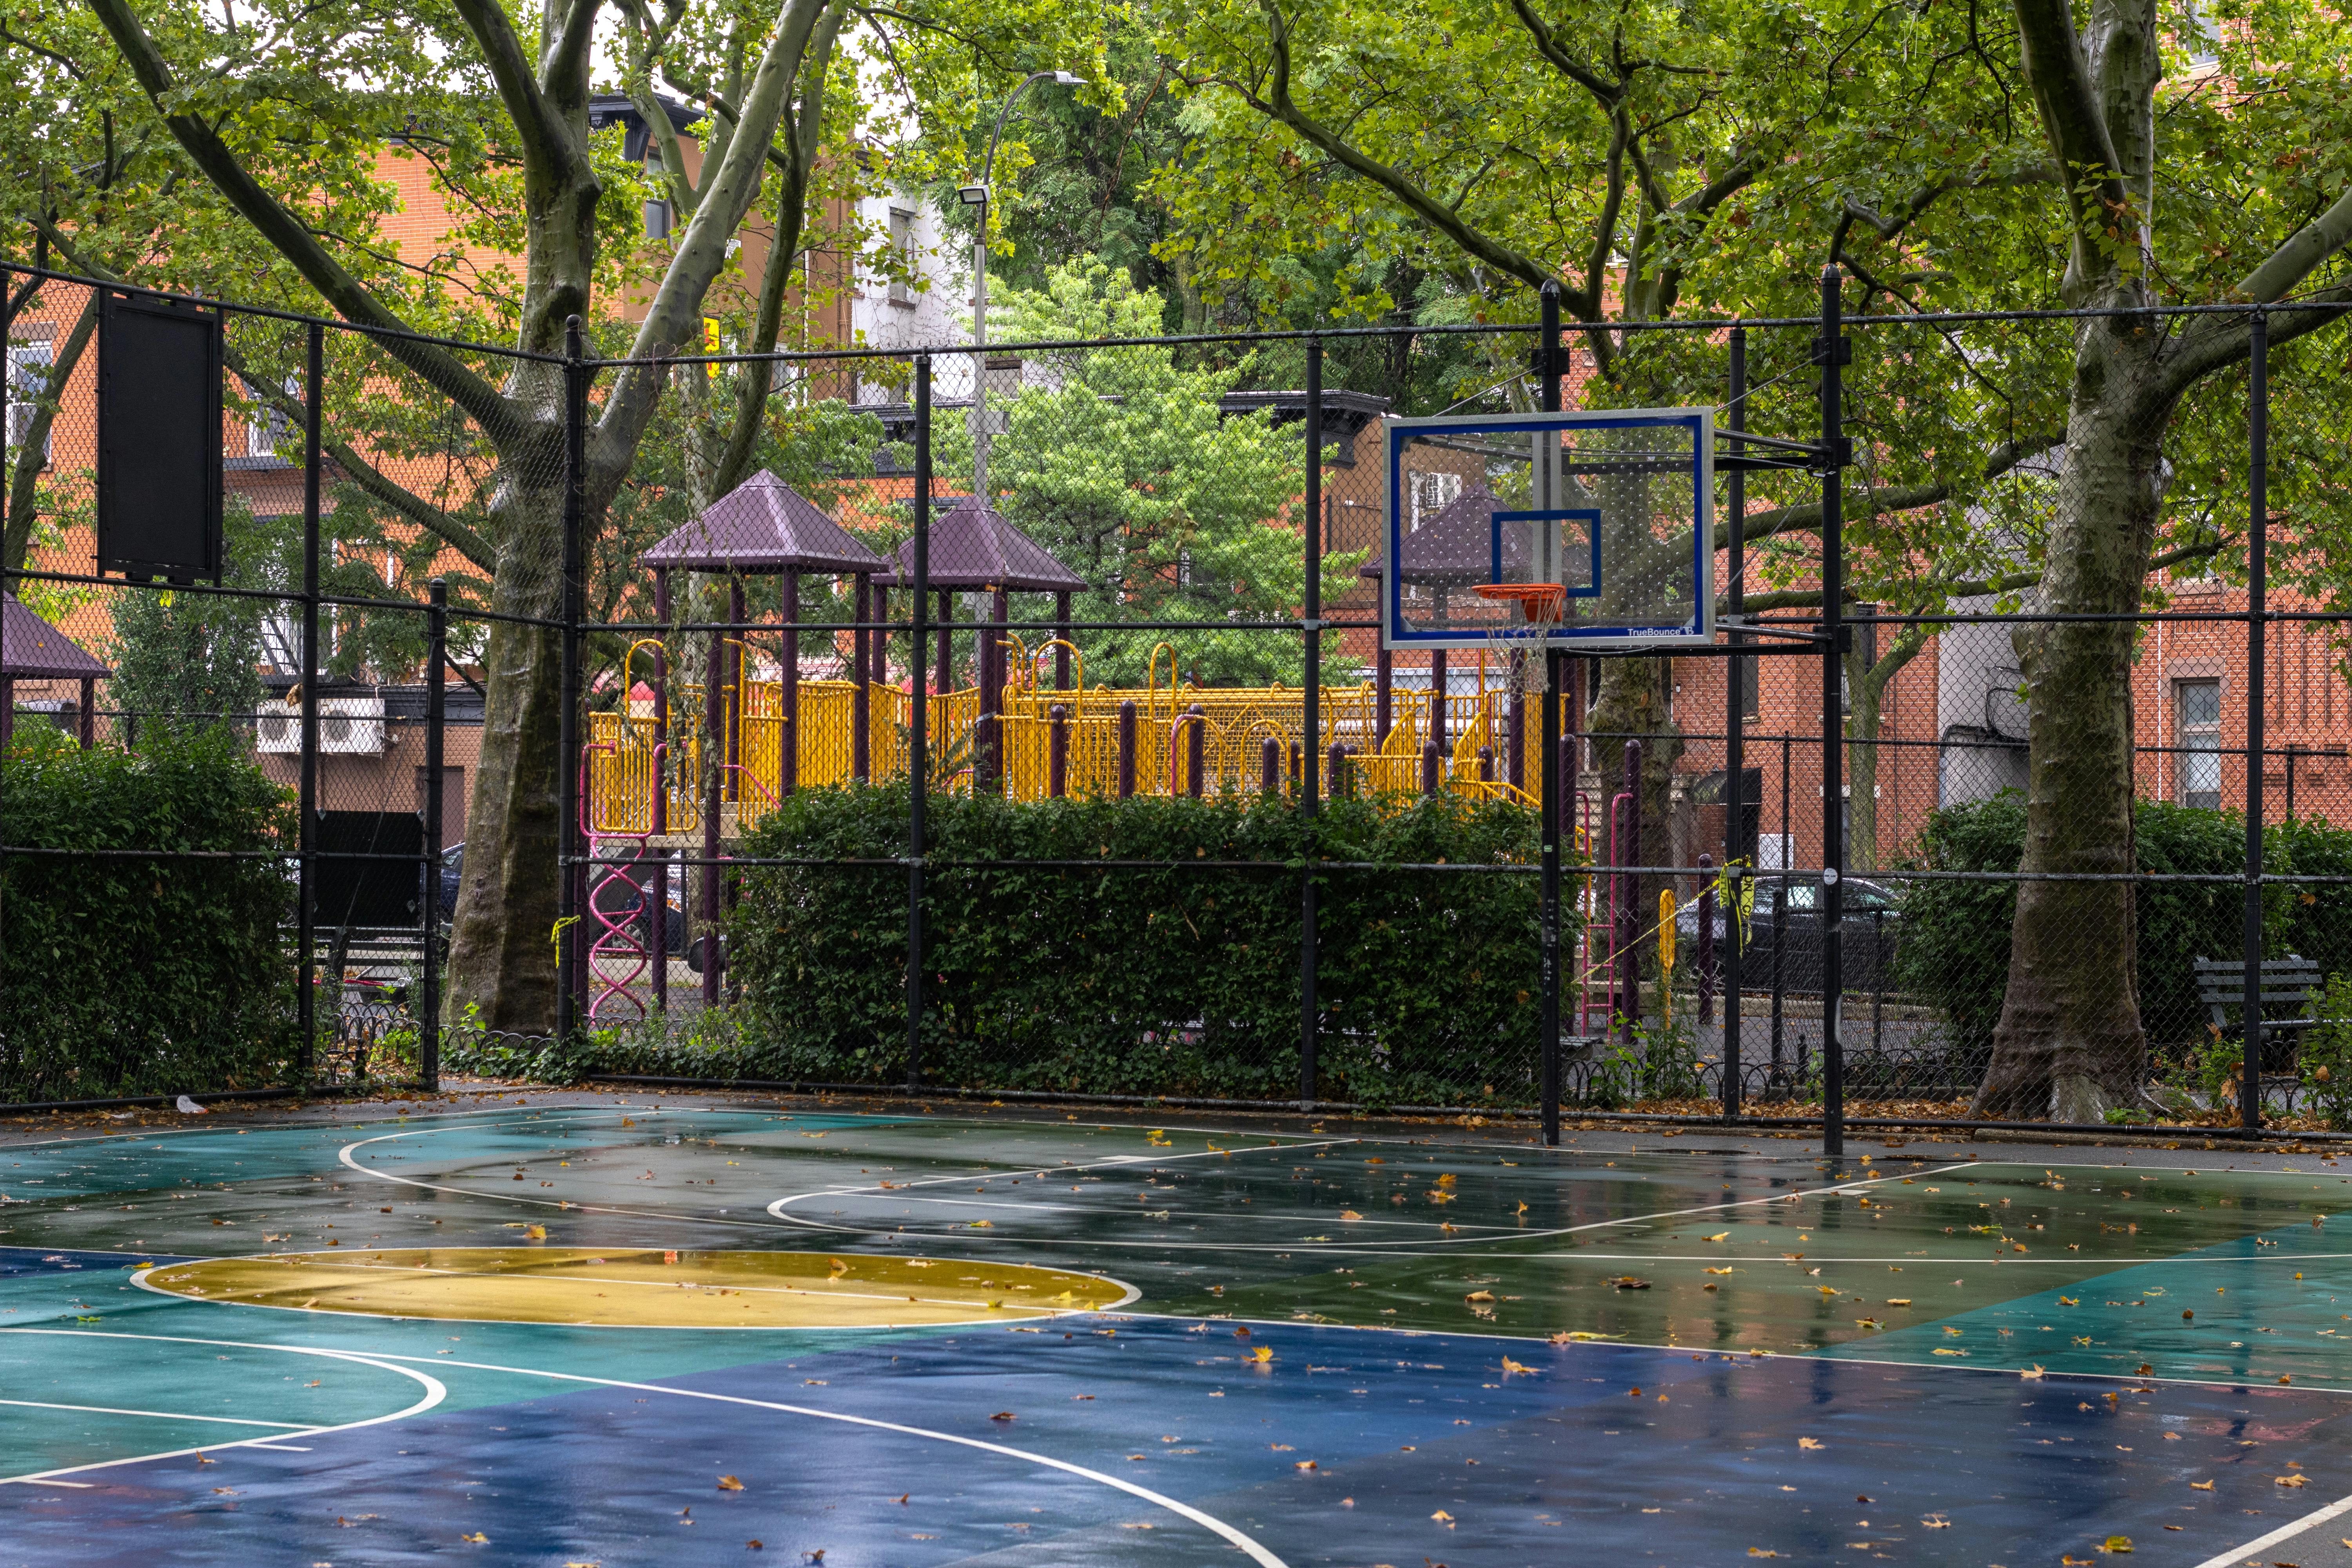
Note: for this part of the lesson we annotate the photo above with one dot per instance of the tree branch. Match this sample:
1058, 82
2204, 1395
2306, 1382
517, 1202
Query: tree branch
2069, 103
292, 239
1429, 209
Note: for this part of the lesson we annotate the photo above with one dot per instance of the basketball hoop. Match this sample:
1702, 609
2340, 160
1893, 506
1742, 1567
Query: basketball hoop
1518, 642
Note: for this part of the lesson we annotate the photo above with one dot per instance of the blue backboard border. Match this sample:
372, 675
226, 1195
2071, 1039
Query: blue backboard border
1699, 629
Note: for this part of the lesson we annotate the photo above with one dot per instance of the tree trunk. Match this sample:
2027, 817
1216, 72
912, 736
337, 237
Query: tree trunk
502, 939
2069, 1044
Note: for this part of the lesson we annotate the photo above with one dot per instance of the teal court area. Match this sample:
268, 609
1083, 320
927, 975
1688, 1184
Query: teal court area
612, 1333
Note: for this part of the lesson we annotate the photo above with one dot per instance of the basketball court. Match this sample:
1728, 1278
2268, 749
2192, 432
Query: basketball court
629, 1333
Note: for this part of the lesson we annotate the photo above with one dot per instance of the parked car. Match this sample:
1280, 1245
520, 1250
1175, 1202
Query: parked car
1787, 917
613, 899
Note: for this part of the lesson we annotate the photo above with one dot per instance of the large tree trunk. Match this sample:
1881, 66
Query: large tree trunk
2069, 1044
502, 945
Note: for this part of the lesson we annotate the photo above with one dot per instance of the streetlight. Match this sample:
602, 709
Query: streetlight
977, 196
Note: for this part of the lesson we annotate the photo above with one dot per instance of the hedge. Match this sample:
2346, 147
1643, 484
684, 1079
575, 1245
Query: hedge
1954, 952
122, 975
1176, 979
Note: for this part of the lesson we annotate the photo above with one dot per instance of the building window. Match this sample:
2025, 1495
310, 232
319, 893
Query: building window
1433, 493
2197, 735
660, 217
902, 251
270, 431
27, 384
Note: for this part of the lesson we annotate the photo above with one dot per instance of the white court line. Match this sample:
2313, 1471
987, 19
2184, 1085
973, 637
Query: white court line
435, 1393
160, 1414
1257, 1553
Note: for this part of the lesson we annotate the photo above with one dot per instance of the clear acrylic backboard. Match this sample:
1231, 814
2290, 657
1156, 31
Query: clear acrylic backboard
1615, 505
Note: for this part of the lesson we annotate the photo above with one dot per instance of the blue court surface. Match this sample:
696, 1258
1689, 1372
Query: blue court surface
607, 1334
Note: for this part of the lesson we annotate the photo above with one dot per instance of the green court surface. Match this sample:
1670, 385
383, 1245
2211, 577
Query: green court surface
599, 1332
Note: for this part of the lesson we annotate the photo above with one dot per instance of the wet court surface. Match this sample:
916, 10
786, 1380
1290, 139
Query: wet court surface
629, 1334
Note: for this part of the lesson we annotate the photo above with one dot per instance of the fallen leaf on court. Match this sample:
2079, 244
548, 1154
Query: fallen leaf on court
1304, 1465
226, 1491
1523, 1208
1511, 1367
1443, 1517
1719, 1236
2117, 1543
1263, 1354
1573, 1336
1809, 1443
1936, 1523
1479, 1295
2286, 1481
1447, 1179
2068, 1301
2172, 1437
1825, 1290
1002, 1415
477, 1538
729, 1484
1627, 1282
537, 1232
984, 1225
1134, 1527
1759, 1552
839, 1267
1869, 1324
1947, 1353
1350, 1214
1898, 1300
2200, 1486
313, 1384
2036, 1371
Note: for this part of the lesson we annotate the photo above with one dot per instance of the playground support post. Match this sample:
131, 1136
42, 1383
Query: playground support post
1831, 352
787, 748
1057, 756
1311, 625
918, 748
1127, 748
307, 917
1556, 783
2258, 540
864, 666
429, 980
1735, 760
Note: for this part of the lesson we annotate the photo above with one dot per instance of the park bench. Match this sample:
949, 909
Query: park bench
2288, 986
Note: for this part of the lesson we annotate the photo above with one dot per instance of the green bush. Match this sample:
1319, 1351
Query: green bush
1082, 976
121, 975
1954, 952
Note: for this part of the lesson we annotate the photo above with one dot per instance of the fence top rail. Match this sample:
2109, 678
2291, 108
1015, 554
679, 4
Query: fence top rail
1508, 329
270, 312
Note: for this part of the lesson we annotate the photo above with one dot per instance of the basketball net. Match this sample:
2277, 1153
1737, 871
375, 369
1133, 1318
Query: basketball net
1517, 641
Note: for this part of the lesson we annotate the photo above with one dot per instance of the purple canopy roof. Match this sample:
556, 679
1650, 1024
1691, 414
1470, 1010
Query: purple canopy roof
764, 525
1456, 547
36, 650
975, 547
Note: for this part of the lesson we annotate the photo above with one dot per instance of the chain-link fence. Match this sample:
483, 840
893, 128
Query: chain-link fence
250, 586
1061, 664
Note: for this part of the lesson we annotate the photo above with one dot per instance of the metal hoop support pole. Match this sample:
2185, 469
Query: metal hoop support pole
1555, 786
429, 980
1735, 756
570, 973
1830, 351
307, 919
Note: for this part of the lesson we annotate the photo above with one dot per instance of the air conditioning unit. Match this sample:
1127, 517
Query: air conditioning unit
348, 726
277, 729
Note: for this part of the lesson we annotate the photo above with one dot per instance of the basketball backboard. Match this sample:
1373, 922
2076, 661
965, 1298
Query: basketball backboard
1616, 505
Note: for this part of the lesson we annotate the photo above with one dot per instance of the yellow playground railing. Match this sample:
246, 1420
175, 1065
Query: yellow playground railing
633, 771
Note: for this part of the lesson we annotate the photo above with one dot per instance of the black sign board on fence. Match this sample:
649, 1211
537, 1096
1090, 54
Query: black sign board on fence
158, 438
381, 886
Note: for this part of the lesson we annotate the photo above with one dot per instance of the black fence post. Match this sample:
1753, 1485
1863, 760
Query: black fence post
1830, 351
569, 977
1735, 756
314, 354
1311, 642
2258, 437
428, 978
918, 737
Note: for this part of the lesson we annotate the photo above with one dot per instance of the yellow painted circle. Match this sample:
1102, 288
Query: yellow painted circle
639, 1288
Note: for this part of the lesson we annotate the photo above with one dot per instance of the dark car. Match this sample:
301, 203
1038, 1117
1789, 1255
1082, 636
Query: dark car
1787, 921
614, 898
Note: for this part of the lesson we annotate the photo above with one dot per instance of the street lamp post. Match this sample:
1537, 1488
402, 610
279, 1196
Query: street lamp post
978, 197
